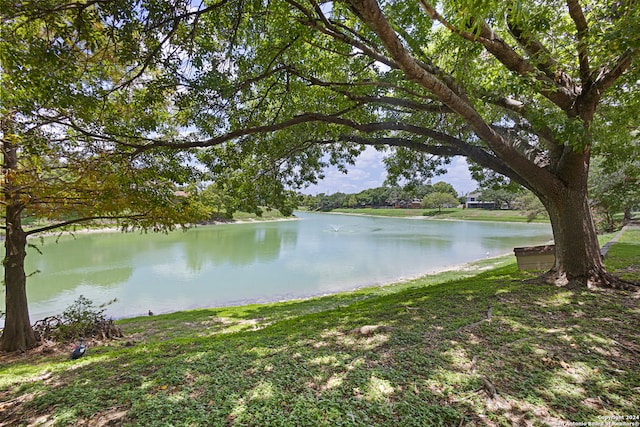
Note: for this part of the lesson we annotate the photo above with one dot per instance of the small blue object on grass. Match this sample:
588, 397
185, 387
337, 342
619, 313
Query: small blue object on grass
78, 352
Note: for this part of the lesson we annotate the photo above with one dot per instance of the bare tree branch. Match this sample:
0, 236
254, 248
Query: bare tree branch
475, 153
539, 53
435, 107
542, 131
553, 89
325, 26
575, 11
80, 220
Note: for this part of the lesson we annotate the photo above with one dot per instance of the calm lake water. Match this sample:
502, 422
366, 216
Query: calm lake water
234, 264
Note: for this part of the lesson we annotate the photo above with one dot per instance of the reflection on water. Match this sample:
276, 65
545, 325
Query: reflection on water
240, 263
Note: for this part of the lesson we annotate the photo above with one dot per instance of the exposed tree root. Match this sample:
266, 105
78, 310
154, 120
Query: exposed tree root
600, 279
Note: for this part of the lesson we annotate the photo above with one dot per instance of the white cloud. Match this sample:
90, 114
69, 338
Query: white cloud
370, 157
369, 172
458, 175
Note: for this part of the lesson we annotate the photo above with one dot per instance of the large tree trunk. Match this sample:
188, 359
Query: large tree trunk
578, 258
18, 333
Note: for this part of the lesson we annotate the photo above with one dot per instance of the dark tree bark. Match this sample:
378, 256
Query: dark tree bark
578, 258
628, 216
577, 250
18, 333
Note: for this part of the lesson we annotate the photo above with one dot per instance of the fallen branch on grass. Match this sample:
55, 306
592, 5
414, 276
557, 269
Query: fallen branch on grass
471, 325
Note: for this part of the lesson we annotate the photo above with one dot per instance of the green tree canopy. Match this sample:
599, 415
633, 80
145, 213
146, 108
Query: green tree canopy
501, 196
439, 200
513, 86
613, 188
525, 89
73, 114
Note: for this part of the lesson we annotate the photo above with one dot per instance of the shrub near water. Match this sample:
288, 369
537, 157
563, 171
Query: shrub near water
80, 319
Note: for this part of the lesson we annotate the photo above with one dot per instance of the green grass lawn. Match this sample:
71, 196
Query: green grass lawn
478, 346
624, 256
452, 213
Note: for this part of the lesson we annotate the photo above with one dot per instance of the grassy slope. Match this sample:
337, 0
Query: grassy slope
453, 213
442, 345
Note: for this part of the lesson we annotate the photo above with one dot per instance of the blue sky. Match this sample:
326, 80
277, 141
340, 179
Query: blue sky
369, 172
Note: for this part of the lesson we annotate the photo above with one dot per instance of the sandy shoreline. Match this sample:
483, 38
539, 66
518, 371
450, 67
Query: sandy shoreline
253, 221
120, 230
425, 218
464, 267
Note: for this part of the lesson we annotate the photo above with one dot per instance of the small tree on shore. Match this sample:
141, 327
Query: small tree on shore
69, 124
501, 196
439, 200
614, 180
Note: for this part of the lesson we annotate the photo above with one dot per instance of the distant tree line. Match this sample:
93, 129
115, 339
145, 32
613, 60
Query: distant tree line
387, 196
611, 193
